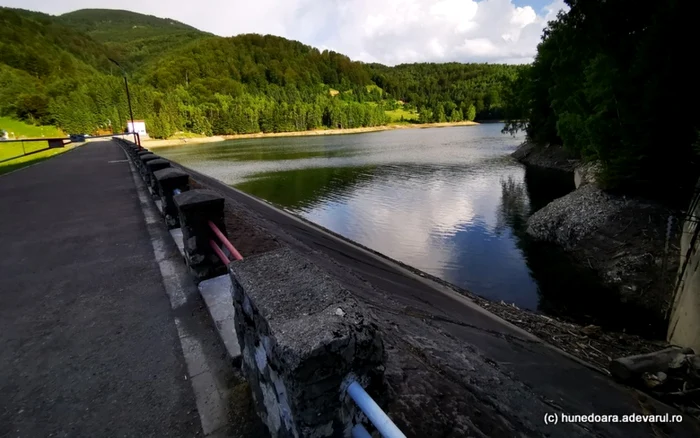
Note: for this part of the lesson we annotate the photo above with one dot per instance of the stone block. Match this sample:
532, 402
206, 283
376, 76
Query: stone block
143, 168
145, 158
133, 150
141, 158
195, 209
302, 335
168, 180
153, 166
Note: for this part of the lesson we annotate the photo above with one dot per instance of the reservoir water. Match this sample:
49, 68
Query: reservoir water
448, 201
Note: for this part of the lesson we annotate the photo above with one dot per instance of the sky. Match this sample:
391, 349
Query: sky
386, 31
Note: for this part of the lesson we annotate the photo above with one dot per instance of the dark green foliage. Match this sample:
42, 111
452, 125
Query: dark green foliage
604, 75
34, 43
133, 39
461, 85
112, 25
55, 70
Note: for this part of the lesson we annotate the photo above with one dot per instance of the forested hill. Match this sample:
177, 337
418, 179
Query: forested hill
615, 82
56, 70
132, 38
111, 25
453, 85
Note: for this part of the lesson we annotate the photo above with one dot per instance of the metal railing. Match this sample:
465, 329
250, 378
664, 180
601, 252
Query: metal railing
374, 413
224, 241
51, 143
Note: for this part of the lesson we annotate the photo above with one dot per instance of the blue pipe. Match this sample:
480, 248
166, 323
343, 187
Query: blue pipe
359, 431
375, 414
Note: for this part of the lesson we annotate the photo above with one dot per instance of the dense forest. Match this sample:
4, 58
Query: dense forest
612, 82
56, 70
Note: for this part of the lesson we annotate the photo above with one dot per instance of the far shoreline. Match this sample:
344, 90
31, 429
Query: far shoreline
156, 143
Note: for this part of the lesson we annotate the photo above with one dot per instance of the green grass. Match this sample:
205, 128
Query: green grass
12, 149
395, 115
370, 88
25, 130
18, 163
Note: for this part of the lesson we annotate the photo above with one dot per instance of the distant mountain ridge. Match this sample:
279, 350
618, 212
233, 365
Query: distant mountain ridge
116, 25
131, 37
57, 70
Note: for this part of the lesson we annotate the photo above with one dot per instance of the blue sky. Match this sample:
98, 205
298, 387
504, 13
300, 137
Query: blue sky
386, 31
537, 5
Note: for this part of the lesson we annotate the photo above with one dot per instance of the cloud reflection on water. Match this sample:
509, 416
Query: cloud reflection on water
432, 198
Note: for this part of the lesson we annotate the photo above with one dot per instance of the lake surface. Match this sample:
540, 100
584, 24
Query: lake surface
450, 202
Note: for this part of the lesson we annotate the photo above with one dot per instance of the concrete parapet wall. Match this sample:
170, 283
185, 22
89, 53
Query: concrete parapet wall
684, 324
301, 335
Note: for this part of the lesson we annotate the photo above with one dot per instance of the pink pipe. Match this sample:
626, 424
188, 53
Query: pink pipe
225, 241
219, 252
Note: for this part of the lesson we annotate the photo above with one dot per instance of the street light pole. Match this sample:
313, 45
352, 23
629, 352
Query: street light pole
128, 98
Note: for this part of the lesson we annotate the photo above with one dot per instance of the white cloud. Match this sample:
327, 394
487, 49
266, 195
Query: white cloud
387, 31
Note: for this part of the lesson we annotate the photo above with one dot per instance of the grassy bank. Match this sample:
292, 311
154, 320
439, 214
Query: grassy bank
18, 129
185, 139
28, 160
400, 114
15, 150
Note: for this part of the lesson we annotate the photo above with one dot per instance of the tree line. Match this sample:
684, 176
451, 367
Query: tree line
612, 82
183, 80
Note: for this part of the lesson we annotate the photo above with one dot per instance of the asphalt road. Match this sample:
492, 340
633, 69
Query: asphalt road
88, 344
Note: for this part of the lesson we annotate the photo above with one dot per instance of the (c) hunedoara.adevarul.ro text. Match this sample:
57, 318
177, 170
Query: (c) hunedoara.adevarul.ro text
555, 418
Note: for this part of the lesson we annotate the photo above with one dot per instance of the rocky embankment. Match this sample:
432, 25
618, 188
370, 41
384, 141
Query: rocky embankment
550, 157
632, 244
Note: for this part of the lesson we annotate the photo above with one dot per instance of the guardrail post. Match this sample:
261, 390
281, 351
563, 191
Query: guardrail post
132, 149
168, 181
137, 157
195, 209
153, 166
143, 168
138, 154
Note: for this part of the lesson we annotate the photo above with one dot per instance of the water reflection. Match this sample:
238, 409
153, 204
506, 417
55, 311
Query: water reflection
450, 202
300, 189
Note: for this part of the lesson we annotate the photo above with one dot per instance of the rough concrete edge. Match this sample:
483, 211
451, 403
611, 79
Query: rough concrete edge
175, 233
236, 359
427, 279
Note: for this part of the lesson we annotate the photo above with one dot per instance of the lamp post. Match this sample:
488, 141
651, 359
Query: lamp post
128, 98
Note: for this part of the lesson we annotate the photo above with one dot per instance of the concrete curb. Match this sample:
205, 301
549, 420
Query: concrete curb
211, 391
215, 292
